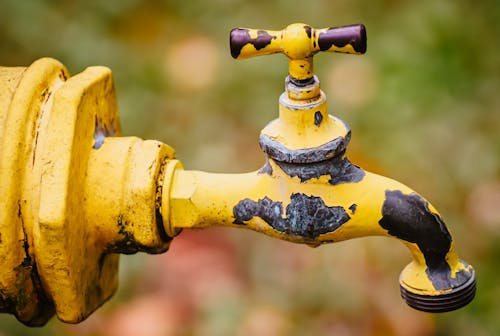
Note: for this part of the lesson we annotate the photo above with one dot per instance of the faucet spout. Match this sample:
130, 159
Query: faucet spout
326, 202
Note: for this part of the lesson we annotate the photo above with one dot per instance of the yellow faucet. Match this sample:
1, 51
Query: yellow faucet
75, 194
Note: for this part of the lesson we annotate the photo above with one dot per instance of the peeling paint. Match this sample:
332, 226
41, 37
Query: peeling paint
353, 208
306, 216
340, 170
409, 218
318, 118
279, 152
240, 37
354, 35
266, 169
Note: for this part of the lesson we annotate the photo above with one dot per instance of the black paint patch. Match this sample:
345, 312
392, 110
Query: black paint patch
238, 38
27, 272
340, 170
306, 216
27, 262
266, 169
408, 217
353, 208
129, 244
308, 31
355, 35
318, 118
279, 152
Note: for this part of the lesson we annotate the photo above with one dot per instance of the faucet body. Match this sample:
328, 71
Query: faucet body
321, 210
315, 195
76, 194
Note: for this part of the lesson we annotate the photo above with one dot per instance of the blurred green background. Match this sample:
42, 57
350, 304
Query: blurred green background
424, 108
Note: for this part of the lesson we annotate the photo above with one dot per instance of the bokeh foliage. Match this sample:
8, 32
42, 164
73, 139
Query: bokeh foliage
424, 107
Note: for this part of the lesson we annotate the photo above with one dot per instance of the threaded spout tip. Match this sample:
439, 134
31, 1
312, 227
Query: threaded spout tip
457, 298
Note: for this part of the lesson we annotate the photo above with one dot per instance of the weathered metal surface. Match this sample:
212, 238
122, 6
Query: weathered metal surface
338, 170
74, 194
95, 201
